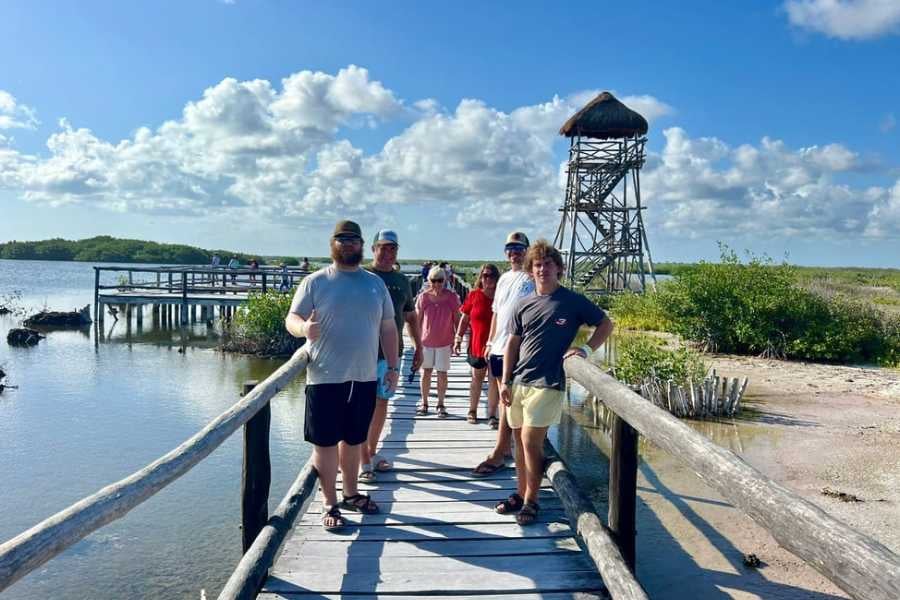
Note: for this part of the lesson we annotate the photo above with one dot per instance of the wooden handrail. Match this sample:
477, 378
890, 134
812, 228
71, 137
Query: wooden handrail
251, 571
856, 563
29, 550
600, 546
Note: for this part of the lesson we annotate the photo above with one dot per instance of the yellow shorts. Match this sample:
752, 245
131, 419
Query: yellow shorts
534, 406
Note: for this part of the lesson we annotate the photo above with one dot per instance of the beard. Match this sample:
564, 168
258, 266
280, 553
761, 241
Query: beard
347, 258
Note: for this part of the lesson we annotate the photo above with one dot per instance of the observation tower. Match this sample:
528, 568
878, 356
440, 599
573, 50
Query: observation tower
601, 233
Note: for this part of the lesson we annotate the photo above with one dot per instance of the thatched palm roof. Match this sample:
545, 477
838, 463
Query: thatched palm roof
605, 117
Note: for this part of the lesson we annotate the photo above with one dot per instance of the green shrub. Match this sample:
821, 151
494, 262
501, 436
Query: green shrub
759, 308
258, 327
639, 311
639, 357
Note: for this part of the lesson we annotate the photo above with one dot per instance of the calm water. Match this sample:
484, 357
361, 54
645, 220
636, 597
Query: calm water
90, 412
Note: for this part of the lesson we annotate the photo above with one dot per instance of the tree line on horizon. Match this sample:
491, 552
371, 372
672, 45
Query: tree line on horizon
106, 248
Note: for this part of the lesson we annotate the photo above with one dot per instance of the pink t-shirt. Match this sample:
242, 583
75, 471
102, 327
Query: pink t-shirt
437, 314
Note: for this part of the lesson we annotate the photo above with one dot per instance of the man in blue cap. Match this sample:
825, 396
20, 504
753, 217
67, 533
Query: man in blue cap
384, 252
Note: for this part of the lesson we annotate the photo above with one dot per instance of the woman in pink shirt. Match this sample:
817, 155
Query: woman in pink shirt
437, 309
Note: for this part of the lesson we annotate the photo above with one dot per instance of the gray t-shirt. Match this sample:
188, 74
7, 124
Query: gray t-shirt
547, 326
350, 306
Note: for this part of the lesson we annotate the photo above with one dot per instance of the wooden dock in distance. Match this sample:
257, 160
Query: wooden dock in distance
437, 533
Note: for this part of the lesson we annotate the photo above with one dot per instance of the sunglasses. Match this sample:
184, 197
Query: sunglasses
515, 248
436, 280
347, 239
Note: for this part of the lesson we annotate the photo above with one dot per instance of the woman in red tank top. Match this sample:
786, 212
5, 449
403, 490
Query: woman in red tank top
476, 318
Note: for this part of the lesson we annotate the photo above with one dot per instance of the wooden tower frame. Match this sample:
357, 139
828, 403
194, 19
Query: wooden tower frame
601, 233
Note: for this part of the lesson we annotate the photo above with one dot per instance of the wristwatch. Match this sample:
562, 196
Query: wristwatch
394, 369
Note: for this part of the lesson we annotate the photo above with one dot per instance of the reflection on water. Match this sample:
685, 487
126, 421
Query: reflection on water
95, 405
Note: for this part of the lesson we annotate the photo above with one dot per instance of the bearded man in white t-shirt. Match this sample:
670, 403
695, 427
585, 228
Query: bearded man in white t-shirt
511, 287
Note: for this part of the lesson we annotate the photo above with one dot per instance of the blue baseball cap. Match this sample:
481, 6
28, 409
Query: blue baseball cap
386, 236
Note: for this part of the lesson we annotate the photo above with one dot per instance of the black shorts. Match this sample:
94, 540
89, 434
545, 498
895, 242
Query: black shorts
339, 412
496, 363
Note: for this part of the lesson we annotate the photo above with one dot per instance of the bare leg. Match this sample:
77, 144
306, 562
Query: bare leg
521, 467
504, 433
349, 457
325, 459
425, 386
370, 448
475, 389
493, 396
532, 438
441, 386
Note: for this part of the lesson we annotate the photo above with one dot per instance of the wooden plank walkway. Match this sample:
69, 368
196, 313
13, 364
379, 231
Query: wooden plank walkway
437, 534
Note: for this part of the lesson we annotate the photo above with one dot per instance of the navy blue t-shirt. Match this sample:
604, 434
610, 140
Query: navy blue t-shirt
547, 326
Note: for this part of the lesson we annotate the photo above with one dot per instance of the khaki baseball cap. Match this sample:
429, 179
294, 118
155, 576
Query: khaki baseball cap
347, 228
517, 237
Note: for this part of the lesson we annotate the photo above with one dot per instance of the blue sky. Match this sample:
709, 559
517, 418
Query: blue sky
254, 125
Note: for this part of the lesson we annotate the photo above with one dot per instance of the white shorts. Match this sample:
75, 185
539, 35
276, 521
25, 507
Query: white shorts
436, 358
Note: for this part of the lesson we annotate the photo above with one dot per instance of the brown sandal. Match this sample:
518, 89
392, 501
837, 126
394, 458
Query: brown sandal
528, 514
472, 417
337, 521
485, 468
512, 504
360, 503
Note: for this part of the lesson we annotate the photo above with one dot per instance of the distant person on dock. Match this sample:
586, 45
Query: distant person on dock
426, 266
214, 264
511, 287
234, 263
384, 252
285, 284
476, 316
304, 266
437, 310
254, 266
344, 312
543, 327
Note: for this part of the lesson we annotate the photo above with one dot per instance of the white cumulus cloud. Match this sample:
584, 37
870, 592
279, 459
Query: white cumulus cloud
14, 114
703, 186
846, 19
286, 153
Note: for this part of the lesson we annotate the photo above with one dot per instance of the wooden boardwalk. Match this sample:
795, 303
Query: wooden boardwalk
437, 533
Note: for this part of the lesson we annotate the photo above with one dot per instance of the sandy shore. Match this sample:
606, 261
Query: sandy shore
807, 426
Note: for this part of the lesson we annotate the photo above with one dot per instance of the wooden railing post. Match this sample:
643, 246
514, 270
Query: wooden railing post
623, 464
264, 282
96, 294
184, 302
256, 476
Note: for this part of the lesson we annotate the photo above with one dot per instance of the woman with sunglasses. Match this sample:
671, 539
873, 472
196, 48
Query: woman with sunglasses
437, 309
477, 313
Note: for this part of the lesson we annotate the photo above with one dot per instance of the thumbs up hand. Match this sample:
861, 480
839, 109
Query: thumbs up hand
313, 329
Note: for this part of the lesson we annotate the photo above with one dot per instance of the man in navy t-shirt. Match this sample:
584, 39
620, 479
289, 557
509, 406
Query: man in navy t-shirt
541, 330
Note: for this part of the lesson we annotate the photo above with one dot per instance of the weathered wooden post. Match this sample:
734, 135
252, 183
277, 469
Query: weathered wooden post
257, 472
97, 316
623, 464
264, 282
184, 304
